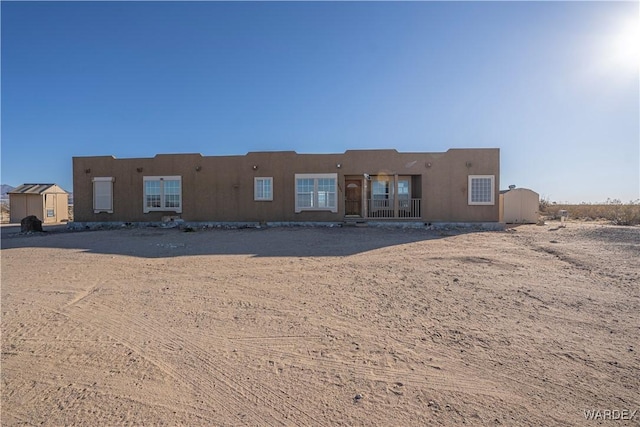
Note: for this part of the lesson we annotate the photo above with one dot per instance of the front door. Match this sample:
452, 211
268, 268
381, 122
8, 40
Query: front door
353, 197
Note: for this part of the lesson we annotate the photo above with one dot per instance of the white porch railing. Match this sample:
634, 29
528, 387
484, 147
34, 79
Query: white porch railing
387, 208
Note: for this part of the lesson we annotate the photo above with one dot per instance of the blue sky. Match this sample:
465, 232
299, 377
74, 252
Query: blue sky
554, 85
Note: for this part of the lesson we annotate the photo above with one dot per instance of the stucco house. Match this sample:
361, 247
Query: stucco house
48, 202
460, 185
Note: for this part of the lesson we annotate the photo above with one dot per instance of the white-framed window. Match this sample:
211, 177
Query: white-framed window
263, 189
381, 194
403, 192
103, 194
381, 189
162, 193
316, 192
481, 189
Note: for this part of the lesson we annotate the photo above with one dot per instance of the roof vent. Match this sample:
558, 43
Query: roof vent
511, 187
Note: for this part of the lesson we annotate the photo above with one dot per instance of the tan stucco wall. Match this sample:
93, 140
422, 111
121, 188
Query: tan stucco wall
49, 203
18, 207
59, 203
62, 207
23, 205
220, 188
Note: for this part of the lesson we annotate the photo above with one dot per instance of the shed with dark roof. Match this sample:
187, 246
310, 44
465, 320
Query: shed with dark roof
48, 202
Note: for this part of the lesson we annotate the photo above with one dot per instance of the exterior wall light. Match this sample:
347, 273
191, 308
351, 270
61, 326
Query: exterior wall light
139, 170
255, 167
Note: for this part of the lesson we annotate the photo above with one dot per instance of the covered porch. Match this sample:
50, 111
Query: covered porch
383, 196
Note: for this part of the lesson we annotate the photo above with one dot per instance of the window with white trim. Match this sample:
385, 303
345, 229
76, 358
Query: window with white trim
316, 192
263, 189
403, 193
102, 194
481, 189
381, 189
162, 193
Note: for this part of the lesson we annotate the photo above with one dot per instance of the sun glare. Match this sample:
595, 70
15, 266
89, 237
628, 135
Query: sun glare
620, 49
625, 46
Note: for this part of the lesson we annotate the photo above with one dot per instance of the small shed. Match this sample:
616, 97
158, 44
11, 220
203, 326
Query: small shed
48, 202
519, 206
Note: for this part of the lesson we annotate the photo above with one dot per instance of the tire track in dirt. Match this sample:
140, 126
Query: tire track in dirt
21, 416
261, 396
81, 295
439, 381
266, 398
85, 389
465, 376
251, 345
114, 328
261, 399
442, 381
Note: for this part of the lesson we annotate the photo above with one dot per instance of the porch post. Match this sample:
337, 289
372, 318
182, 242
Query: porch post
395, 196
364, 196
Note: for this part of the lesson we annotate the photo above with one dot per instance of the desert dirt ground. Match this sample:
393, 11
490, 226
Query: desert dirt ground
321, 326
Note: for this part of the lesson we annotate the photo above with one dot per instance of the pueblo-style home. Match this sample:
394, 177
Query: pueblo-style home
457, 186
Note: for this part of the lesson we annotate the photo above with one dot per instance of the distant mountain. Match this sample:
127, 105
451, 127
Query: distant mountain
4, 189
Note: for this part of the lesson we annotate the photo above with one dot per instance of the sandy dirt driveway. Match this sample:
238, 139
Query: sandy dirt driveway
322, 326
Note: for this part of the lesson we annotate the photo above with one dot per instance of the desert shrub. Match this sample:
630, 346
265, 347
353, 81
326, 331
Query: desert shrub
4, 211
615, 212
544, 204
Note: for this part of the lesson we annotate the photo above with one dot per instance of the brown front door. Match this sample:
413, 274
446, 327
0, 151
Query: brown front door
353, 202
